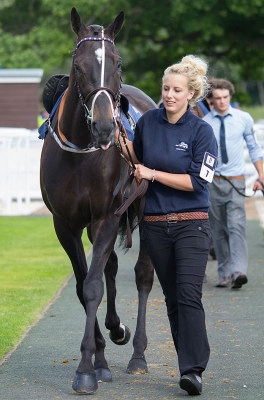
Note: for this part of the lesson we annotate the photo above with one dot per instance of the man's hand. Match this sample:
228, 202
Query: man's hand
258, 185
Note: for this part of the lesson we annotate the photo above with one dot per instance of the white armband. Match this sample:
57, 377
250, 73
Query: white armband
208, 167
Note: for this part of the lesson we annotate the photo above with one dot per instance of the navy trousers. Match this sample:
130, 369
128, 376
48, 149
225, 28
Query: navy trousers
179, 253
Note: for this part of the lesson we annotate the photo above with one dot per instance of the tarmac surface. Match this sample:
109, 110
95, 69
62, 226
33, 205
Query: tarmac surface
43, 365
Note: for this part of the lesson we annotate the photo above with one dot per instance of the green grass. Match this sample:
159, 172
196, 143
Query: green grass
33, 266
256, 113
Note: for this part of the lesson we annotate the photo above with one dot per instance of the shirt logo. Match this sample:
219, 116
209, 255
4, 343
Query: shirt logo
182, 146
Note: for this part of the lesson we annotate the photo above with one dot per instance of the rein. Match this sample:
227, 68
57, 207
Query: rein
123, 134
128, 193
238, 191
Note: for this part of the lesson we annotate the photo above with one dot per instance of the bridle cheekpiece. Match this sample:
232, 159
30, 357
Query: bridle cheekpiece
102, 89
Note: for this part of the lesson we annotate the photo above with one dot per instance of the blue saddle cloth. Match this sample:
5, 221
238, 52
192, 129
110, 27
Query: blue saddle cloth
134, 115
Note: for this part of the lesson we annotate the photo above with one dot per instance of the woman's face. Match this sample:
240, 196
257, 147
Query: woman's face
175, 93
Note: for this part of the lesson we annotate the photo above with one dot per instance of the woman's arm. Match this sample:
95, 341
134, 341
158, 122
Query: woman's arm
176, 181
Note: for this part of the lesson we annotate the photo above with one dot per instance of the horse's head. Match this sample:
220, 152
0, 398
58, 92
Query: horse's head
97, 68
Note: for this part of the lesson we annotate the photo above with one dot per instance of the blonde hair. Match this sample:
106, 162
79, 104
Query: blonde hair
194, 68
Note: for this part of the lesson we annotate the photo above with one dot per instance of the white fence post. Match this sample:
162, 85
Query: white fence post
20, 151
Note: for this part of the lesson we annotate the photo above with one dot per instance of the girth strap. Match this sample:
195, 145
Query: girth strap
61, 138
61, 135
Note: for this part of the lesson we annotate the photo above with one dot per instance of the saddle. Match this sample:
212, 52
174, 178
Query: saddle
53, 89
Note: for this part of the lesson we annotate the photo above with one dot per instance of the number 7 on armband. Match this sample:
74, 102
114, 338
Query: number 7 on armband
208, 167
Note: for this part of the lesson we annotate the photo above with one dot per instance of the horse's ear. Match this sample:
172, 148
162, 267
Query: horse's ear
76, 22
115, 26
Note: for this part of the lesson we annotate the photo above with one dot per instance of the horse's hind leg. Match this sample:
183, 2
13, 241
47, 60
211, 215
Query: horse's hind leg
144, 279
119, 333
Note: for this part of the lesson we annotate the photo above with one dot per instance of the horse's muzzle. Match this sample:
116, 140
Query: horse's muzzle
105, 146
103, 132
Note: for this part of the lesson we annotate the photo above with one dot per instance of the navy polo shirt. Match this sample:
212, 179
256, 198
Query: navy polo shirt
175, 148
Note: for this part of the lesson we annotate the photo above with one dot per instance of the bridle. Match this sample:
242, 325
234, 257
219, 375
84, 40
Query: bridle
101, 89
89, 113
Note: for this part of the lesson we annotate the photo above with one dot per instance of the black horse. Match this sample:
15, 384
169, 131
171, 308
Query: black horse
81, 176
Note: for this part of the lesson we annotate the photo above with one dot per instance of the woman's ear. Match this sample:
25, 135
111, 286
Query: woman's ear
190, 96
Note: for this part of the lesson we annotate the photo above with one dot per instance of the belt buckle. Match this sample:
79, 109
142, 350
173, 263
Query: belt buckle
171, 221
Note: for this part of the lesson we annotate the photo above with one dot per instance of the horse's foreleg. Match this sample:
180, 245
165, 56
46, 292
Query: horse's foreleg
72, 244
103, 373
70, 240
85, 380
119, 333
144, 279
101, 369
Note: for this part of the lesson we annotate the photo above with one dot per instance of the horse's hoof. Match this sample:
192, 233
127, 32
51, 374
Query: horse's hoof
137, 366
103, 375
125, 336
85, 384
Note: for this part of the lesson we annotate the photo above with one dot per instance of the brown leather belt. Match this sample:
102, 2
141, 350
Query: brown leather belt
176, 217
238, 177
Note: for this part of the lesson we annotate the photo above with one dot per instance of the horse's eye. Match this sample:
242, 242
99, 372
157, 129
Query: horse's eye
119, 65
77, 69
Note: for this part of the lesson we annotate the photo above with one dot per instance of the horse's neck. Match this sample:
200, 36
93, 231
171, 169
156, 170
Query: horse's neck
72, 120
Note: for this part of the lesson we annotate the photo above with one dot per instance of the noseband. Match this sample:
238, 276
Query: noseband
102, 89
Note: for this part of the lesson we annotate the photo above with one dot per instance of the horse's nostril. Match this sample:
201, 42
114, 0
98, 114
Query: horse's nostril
94, 129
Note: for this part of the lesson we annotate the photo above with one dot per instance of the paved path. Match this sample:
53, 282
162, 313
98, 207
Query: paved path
43, 365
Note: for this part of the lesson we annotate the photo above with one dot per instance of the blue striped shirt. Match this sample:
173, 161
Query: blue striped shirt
238, 127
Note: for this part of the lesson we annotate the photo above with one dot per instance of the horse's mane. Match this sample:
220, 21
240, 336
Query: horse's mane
96, 29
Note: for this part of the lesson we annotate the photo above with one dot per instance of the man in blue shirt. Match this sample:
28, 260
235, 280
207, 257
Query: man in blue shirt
227, 214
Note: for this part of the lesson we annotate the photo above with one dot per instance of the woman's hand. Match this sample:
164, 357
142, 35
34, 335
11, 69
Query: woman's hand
144, 172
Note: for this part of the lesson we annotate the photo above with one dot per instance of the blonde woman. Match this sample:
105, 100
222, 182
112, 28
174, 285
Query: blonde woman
176, 151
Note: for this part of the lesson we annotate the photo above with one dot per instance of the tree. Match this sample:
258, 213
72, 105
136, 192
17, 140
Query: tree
37, 33
228, 34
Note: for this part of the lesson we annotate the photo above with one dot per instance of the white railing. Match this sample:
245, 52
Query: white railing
20, 151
